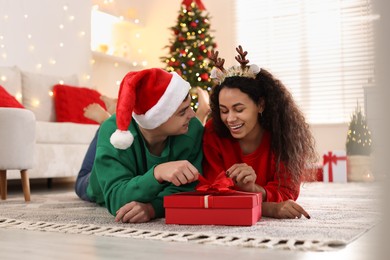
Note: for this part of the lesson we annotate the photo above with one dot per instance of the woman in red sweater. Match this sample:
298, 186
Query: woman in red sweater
258, 136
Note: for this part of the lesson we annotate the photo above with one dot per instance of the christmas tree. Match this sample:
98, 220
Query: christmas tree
359, 136
190, 47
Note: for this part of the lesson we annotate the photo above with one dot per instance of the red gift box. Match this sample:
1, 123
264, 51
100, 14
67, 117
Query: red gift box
213, 204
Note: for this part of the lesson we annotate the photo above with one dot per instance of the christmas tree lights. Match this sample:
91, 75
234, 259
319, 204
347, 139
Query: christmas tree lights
190, 48
359, 136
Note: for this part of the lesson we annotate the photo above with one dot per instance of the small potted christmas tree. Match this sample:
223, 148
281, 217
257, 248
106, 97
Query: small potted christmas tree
358, 146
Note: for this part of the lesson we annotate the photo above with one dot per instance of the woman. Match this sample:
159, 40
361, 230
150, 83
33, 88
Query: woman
258, 136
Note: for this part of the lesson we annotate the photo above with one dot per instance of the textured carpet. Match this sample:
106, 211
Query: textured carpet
340, 213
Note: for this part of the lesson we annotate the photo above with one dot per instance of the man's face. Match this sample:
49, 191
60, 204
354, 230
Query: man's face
178, 123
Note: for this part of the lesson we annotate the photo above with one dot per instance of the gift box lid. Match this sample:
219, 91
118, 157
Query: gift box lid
198, 199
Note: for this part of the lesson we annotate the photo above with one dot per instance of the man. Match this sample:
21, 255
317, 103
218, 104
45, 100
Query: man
140, 161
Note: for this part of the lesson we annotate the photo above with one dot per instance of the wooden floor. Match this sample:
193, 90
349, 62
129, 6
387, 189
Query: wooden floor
20, 244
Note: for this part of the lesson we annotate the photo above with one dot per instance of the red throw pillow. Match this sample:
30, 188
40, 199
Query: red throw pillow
70, 101
7, 100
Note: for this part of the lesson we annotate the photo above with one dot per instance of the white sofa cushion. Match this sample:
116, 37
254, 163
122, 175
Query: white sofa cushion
11, 80
17, 138
37, 89
64, 133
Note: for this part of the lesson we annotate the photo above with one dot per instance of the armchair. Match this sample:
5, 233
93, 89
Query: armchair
17, 141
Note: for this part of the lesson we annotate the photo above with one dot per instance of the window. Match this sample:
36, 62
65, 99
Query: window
323, 51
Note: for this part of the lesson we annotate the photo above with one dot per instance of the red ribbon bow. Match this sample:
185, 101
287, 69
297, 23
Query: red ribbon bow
199, 3
220, 184
331, 158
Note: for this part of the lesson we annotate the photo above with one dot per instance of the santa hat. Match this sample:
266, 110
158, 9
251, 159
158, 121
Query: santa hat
151, 96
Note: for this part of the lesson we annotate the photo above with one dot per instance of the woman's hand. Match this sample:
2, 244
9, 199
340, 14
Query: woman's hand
176, 172
288, 209
135, 212
243, 176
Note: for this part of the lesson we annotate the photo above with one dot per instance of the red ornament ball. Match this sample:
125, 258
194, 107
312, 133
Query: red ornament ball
204, 76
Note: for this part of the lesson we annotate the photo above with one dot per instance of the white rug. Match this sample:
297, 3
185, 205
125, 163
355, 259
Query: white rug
340, 213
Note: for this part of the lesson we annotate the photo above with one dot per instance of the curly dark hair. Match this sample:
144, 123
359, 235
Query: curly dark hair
291, 139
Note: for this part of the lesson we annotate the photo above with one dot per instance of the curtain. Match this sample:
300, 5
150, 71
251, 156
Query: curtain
323, 51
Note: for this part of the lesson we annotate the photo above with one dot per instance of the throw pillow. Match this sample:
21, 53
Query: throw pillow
36, 89
69, 102
11, 80
7, 100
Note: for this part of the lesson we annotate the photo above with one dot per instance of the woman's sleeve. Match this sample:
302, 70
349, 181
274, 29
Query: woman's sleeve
281, 187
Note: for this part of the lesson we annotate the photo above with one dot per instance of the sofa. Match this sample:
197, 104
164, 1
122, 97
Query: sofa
60, 143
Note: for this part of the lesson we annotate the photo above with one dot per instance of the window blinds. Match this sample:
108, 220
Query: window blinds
323, 51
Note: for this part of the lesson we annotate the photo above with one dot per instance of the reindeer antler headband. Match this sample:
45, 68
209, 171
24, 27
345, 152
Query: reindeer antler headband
219, 73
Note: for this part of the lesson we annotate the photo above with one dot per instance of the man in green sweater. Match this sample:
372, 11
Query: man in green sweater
132, 164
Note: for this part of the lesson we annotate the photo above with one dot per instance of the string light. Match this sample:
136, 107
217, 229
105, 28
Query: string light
41, 63
87, 77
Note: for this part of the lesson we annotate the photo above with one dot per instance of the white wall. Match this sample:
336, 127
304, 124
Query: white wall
330, 137
51, 37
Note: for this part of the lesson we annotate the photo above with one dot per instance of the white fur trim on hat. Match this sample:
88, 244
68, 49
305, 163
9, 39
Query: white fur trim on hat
168, 103
121, 139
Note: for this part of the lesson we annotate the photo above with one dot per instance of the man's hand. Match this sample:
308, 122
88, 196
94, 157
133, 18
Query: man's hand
177, 172
135, 212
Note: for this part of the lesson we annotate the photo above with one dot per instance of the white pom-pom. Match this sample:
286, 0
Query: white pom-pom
121, 139
254, 68
214, 73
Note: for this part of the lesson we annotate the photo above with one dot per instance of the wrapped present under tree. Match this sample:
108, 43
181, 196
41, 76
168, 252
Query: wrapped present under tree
335, 166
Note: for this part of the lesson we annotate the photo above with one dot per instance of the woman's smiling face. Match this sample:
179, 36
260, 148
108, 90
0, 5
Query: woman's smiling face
239, 113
